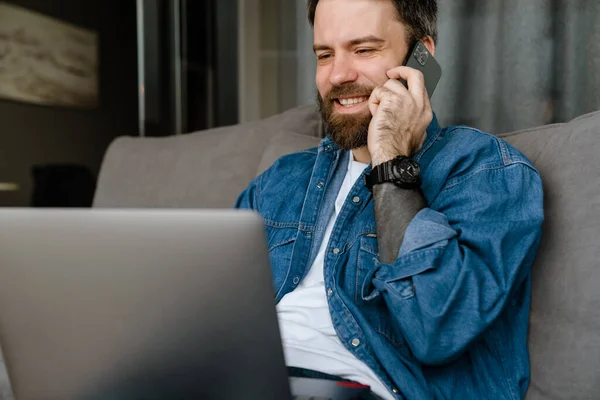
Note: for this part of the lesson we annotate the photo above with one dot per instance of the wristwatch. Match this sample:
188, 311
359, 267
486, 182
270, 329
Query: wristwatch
402, 171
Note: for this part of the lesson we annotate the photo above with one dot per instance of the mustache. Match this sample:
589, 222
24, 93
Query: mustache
349, 90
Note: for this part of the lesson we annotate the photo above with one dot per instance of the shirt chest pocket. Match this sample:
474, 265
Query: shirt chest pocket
366, 263
280, 242
374, 308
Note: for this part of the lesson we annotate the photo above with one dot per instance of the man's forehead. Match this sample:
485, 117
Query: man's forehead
342, 21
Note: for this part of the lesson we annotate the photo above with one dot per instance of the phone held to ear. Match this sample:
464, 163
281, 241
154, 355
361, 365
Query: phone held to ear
420, 58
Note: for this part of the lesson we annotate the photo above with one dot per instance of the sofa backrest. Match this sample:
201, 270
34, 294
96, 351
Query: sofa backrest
206, 169
209, 169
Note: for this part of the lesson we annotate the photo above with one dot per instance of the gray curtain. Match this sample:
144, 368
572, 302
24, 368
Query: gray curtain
515, 64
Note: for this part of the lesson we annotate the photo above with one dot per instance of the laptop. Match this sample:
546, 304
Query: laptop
141, 304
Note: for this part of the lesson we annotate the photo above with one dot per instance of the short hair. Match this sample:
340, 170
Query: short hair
419, 16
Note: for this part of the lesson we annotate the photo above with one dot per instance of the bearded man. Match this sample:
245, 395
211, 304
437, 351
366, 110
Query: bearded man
400, 250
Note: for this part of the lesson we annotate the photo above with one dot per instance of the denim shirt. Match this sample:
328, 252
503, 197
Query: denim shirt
449, 318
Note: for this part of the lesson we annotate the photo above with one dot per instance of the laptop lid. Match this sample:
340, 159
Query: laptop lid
98, 304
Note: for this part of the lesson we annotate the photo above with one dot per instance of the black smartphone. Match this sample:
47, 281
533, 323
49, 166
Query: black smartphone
420, 58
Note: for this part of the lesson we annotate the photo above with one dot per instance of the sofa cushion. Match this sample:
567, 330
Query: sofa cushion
564, 340
205, 169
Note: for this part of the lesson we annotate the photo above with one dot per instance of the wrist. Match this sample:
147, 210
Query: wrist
380, 158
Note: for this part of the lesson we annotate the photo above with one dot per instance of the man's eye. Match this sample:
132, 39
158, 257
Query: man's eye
364, 51
323, 56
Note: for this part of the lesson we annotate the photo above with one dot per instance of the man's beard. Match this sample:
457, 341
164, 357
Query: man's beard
348, 131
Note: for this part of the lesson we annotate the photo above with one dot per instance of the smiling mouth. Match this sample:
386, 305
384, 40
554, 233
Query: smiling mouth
352, 101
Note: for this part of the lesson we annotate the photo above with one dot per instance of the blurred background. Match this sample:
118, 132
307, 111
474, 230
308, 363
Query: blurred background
168, 67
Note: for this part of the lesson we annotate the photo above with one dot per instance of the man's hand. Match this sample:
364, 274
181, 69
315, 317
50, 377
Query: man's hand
400, 116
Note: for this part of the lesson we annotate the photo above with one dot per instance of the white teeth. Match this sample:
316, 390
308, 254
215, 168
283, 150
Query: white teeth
352, 101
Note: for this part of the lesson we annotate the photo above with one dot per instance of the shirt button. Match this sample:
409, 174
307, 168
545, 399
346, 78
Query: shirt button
329, 292
356, 199
396, 391
296, 280
336, 251
320, 185
355, 342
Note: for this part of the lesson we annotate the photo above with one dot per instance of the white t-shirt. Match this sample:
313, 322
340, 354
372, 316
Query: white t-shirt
307, 333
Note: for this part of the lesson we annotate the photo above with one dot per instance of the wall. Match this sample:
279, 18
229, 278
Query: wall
31, 134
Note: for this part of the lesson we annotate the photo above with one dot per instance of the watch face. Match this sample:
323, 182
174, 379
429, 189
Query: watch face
407, 171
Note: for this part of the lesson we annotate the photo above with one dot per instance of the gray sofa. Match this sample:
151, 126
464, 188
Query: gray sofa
210, 168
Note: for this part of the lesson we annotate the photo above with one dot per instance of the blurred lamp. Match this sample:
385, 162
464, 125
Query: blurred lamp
8, 187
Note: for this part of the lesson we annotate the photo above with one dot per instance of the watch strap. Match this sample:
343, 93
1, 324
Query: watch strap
380, 174
384, 172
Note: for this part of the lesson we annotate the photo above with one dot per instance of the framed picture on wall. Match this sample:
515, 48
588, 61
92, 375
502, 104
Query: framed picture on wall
46, 61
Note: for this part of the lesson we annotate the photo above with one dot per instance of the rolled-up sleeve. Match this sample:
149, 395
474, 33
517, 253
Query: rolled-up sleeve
462, 259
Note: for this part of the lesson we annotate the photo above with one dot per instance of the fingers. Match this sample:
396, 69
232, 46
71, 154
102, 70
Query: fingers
374, 100
394, 91
414, 79
378, 96
396, 86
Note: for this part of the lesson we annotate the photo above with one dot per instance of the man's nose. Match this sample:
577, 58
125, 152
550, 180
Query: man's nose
343, 72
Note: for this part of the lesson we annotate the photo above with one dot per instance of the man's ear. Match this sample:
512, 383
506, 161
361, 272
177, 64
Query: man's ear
430, 44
